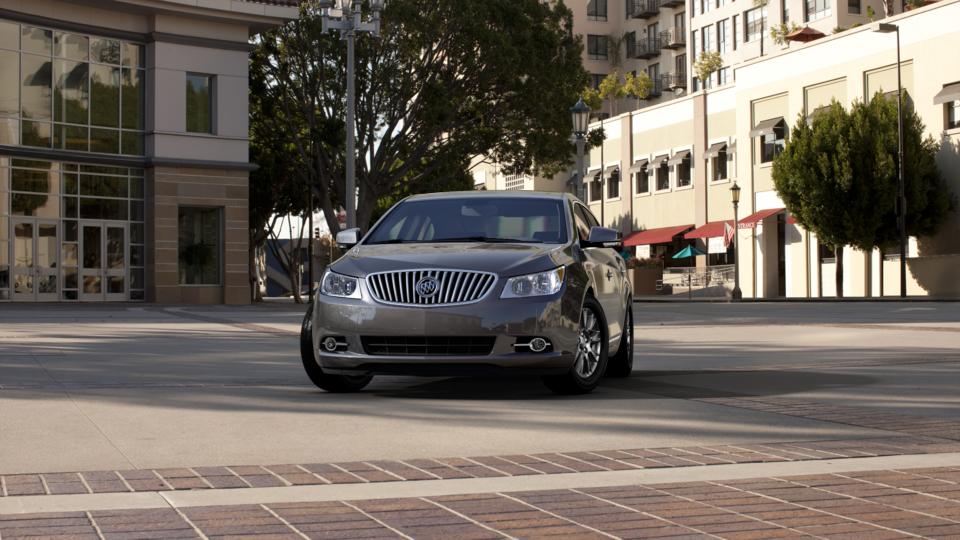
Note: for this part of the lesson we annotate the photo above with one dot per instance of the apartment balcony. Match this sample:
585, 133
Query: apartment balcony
674, 38
671, 3
644, 9
657, 89
673, 81
647, 48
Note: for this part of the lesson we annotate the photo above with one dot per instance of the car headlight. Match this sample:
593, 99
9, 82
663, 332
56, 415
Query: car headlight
539, 284
334, 284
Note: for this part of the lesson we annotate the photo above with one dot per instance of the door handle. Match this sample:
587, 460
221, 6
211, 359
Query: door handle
609, 274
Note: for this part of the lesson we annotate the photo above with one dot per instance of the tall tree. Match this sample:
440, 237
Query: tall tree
838, 176
445, 81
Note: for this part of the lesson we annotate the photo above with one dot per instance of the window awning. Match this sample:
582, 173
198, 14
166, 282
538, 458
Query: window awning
714, 150
655, 236
710, 230
658, 161
750, 222
766, 127
608, 172
950, 92
638, 165
679, 157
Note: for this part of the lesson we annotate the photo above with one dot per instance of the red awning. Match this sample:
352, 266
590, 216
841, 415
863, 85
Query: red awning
750, 222
710, 230
655, 236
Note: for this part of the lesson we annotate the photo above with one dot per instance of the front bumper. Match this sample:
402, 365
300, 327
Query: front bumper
554, 318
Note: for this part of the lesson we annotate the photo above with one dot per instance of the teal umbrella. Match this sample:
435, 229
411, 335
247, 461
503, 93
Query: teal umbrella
688, 251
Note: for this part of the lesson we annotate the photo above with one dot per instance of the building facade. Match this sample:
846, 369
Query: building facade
664, 173
124, 149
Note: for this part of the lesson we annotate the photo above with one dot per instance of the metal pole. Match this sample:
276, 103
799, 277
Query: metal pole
582, 183
310, 239
901, 188
736, 295
351, 158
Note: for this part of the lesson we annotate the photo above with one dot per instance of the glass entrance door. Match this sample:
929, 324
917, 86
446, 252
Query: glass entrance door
103, 261
35, 268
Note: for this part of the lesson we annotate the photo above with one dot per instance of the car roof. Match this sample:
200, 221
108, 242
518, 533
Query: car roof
497, 194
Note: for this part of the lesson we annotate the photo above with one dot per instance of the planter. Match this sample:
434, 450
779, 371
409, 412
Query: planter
645, 280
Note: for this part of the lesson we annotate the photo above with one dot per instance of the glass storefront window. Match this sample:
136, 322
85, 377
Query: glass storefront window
9, 86
84, 215
72, 46
61, 84
36, 86
199, 237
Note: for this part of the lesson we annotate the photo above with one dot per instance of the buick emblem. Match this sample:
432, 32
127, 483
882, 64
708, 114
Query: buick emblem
427, 287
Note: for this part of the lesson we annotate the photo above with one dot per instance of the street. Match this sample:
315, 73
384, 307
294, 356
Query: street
187, 404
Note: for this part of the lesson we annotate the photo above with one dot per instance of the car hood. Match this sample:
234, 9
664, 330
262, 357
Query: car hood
502, 259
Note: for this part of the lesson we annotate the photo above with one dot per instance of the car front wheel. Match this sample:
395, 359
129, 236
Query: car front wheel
591, 356
621, 364
325, 381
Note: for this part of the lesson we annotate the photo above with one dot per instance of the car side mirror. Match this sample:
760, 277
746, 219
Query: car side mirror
348, 238
604, 237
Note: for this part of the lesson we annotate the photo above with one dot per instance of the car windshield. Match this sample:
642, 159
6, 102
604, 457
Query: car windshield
474, 219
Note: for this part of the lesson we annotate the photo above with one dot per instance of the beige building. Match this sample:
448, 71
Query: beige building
740, 31
666, 170
123, 148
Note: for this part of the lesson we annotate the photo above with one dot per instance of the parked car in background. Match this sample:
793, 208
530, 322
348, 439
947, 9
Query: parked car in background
475, 282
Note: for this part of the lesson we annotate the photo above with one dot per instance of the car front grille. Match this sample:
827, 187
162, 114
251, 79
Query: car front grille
427, 346
430, 287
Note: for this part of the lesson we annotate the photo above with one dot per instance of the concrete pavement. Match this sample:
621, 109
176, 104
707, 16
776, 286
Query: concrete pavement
173, 395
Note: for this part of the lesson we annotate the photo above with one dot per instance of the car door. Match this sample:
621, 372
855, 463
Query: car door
608, 269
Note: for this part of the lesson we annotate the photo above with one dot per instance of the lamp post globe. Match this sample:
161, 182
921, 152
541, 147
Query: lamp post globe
736, 294
581, 117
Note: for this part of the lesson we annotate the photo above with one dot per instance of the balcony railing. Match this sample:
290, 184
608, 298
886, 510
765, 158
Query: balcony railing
644, 9
674, 38
671, 3
672, 81
647, 48
657, 89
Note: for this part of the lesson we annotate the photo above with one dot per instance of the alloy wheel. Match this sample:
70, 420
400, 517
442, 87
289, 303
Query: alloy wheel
588, 345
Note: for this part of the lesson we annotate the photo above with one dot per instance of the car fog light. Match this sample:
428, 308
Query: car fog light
330, 344
538, 344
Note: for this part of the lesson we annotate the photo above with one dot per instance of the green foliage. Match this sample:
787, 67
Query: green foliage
612, 87
707, 64
779, 32
838, 175
596, 137
639, 85
871, 13
445, 81
591, 96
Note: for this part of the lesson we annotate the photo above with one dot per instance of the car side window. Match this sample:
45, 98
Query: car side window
591, 219
583, 224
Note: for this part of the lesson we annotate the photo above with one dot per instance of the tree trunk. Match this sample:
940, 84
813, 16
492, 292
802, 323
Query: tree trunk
838, 253
296, 279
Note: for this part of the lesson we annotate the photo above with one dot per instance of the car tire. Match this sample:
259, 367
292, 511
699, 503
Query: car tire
591, 355
325, 381
621, 364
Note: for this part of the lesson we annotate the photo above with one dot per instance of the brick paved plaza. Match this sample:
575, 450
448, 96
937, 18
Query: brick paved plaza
831, 420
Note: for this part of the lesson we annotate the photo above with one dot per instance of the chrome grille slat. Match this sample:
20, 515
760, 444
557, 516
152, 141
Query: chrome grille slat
455, 287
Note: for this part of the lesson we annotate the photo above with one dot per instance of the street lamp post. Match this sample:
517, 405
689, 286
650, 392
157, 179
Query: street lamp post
888, 28
580, 113
348, 24
736, 295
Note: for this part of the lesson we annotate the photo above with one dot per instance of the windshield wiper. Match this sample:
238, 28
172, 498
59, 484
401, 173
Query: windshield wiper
484, 239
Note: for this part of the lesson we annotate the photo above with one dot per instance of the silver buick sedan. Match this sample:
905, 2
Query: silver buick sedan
476, 282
